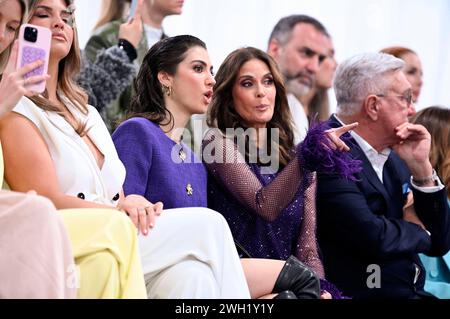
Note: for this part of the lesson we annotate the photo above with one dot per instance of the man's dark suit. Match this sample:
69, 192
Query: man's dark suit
360, 224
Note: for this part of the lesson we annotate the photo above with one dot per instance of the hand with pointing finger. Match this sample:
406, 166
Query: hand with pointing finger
324, 151
334, 135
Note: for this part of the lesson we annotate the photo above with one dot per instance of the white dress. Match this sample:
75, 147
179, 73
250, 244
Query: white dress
189, 254
76, 168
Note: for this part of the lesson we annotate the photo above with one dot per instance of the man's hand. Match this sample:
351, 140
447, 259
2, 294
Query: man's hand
334, 135
414, 148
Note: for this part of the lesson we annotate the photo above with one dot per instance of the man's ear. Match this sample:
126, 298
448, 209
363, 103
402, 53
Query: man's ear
165, 79
274, 48
371, 106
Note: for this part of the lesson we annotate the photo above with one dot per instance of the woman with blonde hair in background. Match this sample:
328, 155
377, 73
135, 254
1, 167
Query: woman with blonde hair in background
412, 69
112, 10
437, 122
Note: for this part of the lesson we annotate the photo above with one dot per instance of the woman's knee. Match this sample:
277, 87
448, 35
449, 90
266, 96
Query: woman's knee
99, 275
190, 279
211, 218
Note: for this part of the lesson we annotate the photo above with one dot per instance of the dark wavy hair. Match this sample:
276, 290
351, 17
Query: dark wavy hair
222, 113
164, 56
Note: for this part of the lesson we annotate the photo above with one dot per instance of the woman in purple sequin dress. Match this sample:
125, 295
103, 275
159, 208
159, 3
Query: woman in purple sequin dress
264, 185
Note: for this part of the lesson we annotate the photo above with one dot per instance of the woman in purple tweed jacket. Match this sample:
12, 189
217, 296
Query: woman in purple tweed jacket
174, 83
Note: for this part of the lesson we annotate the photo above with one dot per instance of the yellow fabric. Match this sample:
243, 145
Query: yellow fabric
105, 247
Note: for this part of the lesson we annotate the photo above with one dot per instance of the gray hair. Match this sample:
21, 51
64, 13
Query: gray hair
283, 29
360, 76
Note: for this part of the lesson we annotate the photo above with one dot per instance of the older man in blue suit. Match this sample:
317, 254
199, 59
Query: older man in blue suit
372, 230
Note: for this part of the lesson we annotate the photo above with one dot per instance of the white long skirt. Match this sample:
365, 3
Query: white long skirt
190, 254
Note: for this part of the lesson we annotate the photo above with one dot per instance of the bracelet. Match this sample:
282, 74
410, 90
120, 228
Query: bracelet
129, 49
423, 181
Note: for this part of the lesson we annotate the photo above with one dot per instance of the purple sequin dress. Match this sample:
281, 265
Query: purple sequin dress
262, 238
274, 215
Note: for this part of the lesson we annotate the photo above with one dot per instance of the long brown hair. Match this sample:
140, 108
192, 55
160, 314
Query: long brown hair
222, 113
69, 67
437, 122
4, 56
111, 10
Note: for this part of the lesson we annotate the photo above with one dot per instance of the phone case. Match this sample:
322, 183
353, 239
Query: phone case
32, 51
133, 7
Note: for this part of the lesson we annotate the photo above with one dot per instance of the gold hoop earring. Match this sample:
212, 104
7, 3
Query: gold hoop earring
167, 90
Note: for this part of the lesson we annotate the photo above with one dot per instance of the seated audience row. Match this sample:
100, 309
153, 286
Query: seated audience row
374, 186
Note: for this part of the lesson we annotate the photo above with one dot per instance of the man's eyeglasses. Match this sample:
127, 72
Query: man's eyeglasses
408, 98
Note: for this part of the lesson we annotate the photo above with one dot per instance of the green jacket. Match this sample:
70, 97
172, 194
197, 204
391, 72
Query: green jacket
103, 38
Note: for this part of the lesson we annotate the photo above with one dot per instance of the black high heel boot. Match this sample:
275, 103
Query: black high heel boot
287, 294
298, 278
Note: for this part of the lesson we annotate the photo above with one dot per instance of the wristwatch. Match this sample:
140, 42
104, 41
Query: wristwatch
433, 178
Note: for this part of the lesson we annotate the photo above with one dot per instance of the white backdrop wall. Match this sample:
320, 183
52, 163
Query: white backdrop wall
355, 25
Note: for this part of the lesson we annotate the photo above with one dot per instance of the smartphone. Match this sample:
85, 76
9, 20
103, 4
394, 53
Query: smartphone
133, 7
34, 44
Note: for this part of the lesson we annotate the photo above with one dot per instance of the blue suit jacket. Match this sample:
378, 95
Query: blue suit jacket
360, 224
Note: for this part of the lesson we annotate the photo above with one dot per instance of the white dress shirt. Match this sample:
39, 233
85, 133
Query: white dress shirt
301, 123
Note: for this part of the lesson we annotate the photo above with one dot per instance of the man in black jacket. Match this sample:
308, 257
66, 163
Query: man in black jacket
372, 230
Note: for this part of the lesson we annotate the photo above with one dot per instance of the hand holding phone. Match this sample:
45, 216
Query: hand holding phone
131, 30
13, 85
34, 45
